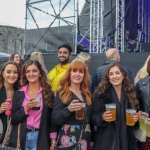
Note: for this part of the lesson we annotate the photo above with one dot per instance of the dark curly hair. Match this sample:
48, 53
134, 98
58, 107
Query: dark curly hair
17, 83
47, 93
127, 85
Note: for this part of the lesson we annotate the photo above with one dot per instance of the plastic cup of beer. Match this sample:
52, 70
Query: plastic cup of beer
112, 108
9, 111
147, 122
80, 114
143, 117
129, 117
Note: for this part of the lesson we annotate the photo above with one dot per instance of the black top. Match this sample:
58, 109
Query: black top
115, 135
3, 117
19, 116
143, 90
61, 115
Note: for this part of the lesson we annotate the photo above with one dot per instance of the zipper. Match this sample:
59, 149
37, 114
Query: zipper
115, 136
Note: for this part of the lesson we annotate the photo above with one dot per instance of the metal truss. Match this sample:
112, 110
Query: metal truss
57, 13
96, 25
119, 34
143, 21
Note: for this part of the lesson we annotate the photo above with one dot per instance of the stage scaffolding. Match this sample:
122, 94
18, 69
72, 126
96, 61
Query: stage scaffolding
63, 21
98, 42
119, 33
96, 25
47, 21
143, 23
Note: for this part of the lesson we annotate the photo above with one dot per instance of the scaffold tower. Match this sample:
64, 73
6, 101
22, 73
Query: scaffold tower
119, 34
96, 25
143, 22
47, 21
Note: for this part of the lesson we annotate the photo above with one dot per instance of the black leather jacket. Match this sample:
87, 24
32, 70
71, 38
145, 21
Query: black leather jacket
143, 91
100, 71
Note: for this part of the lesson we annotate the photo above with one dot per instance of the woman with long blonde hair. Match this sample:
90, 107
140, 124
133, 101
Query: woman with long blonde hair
143, 91
70, 99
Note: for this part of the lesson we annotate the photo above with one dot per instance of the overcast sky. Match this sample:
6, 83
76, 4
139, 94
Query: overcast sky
12, 12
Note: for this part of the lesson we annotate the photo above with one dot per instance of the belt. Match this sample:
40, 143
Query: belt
30, 129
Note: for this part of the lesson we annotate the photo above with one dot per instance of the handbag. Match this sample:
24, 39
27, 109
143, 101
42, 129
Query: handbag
76, 146
3, 146
140, 135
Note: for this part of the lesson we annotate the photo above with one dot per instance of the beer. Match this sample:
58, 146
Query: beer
129, 117
112, 108
80, 114
143, 117
147, 122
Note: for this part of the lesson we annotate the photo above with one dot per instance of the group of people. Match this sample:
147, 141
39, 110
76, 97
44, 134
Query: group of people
66, 107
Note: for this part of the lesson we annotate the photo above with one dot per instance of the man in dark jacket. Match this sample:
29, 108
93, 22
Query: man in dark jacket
112, 55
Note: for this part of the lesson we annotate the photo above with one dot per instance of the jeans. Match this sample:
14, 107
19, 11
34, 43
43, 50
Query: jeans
31, 140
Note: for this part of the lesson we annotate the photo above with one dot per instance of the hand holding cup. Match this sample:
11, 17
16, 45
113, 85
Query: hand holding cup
107, 116
136, 117
5, 106
75, 105
31, 104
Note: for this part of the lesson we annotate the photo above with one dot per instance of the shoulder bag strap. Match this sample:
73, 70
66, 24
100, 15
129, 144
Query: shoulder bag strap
18, 137
8, 131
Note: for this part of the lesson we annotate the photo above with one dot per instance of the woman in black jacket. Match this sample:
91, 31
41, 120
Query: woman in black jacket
114, 88
142, 81
74, 92
32, 107
9, 82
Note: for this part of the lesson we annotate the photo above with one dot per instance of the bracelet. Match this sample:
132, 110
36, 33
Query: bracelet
53, 142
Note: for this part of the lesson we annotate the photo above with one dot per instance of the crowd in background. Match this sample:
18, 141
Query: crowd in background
65, 108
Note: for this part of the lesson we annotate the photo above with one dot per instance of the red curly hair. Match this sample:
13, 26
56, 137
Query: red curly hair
65, 94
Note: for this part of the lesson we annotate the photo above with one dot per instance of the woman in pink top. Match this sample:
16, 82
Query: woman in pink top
32, 108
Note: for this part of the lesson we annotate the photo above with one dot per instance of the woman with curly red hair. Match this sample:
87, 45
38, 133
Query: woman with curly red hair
70, 99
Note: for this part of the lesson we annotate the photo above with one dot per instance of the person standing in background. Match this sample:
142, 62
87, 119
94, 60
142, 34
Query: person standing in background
9, 82
54, 75
32, 108
84, 57
17, 58
112, 55
39, 57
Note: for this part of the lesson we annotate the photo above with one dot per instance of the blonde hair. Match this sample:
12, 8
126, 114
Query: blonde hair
39, 57
82, 57
142, 73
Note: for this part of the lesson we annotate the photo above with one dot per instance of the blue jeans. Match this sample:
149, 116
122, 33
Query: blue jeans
31, 140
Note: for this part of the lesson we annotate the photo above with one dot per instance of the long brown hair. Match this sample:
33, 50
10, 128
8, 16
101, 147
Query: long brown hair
127, 85
65, 94
48, 94
17, 83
